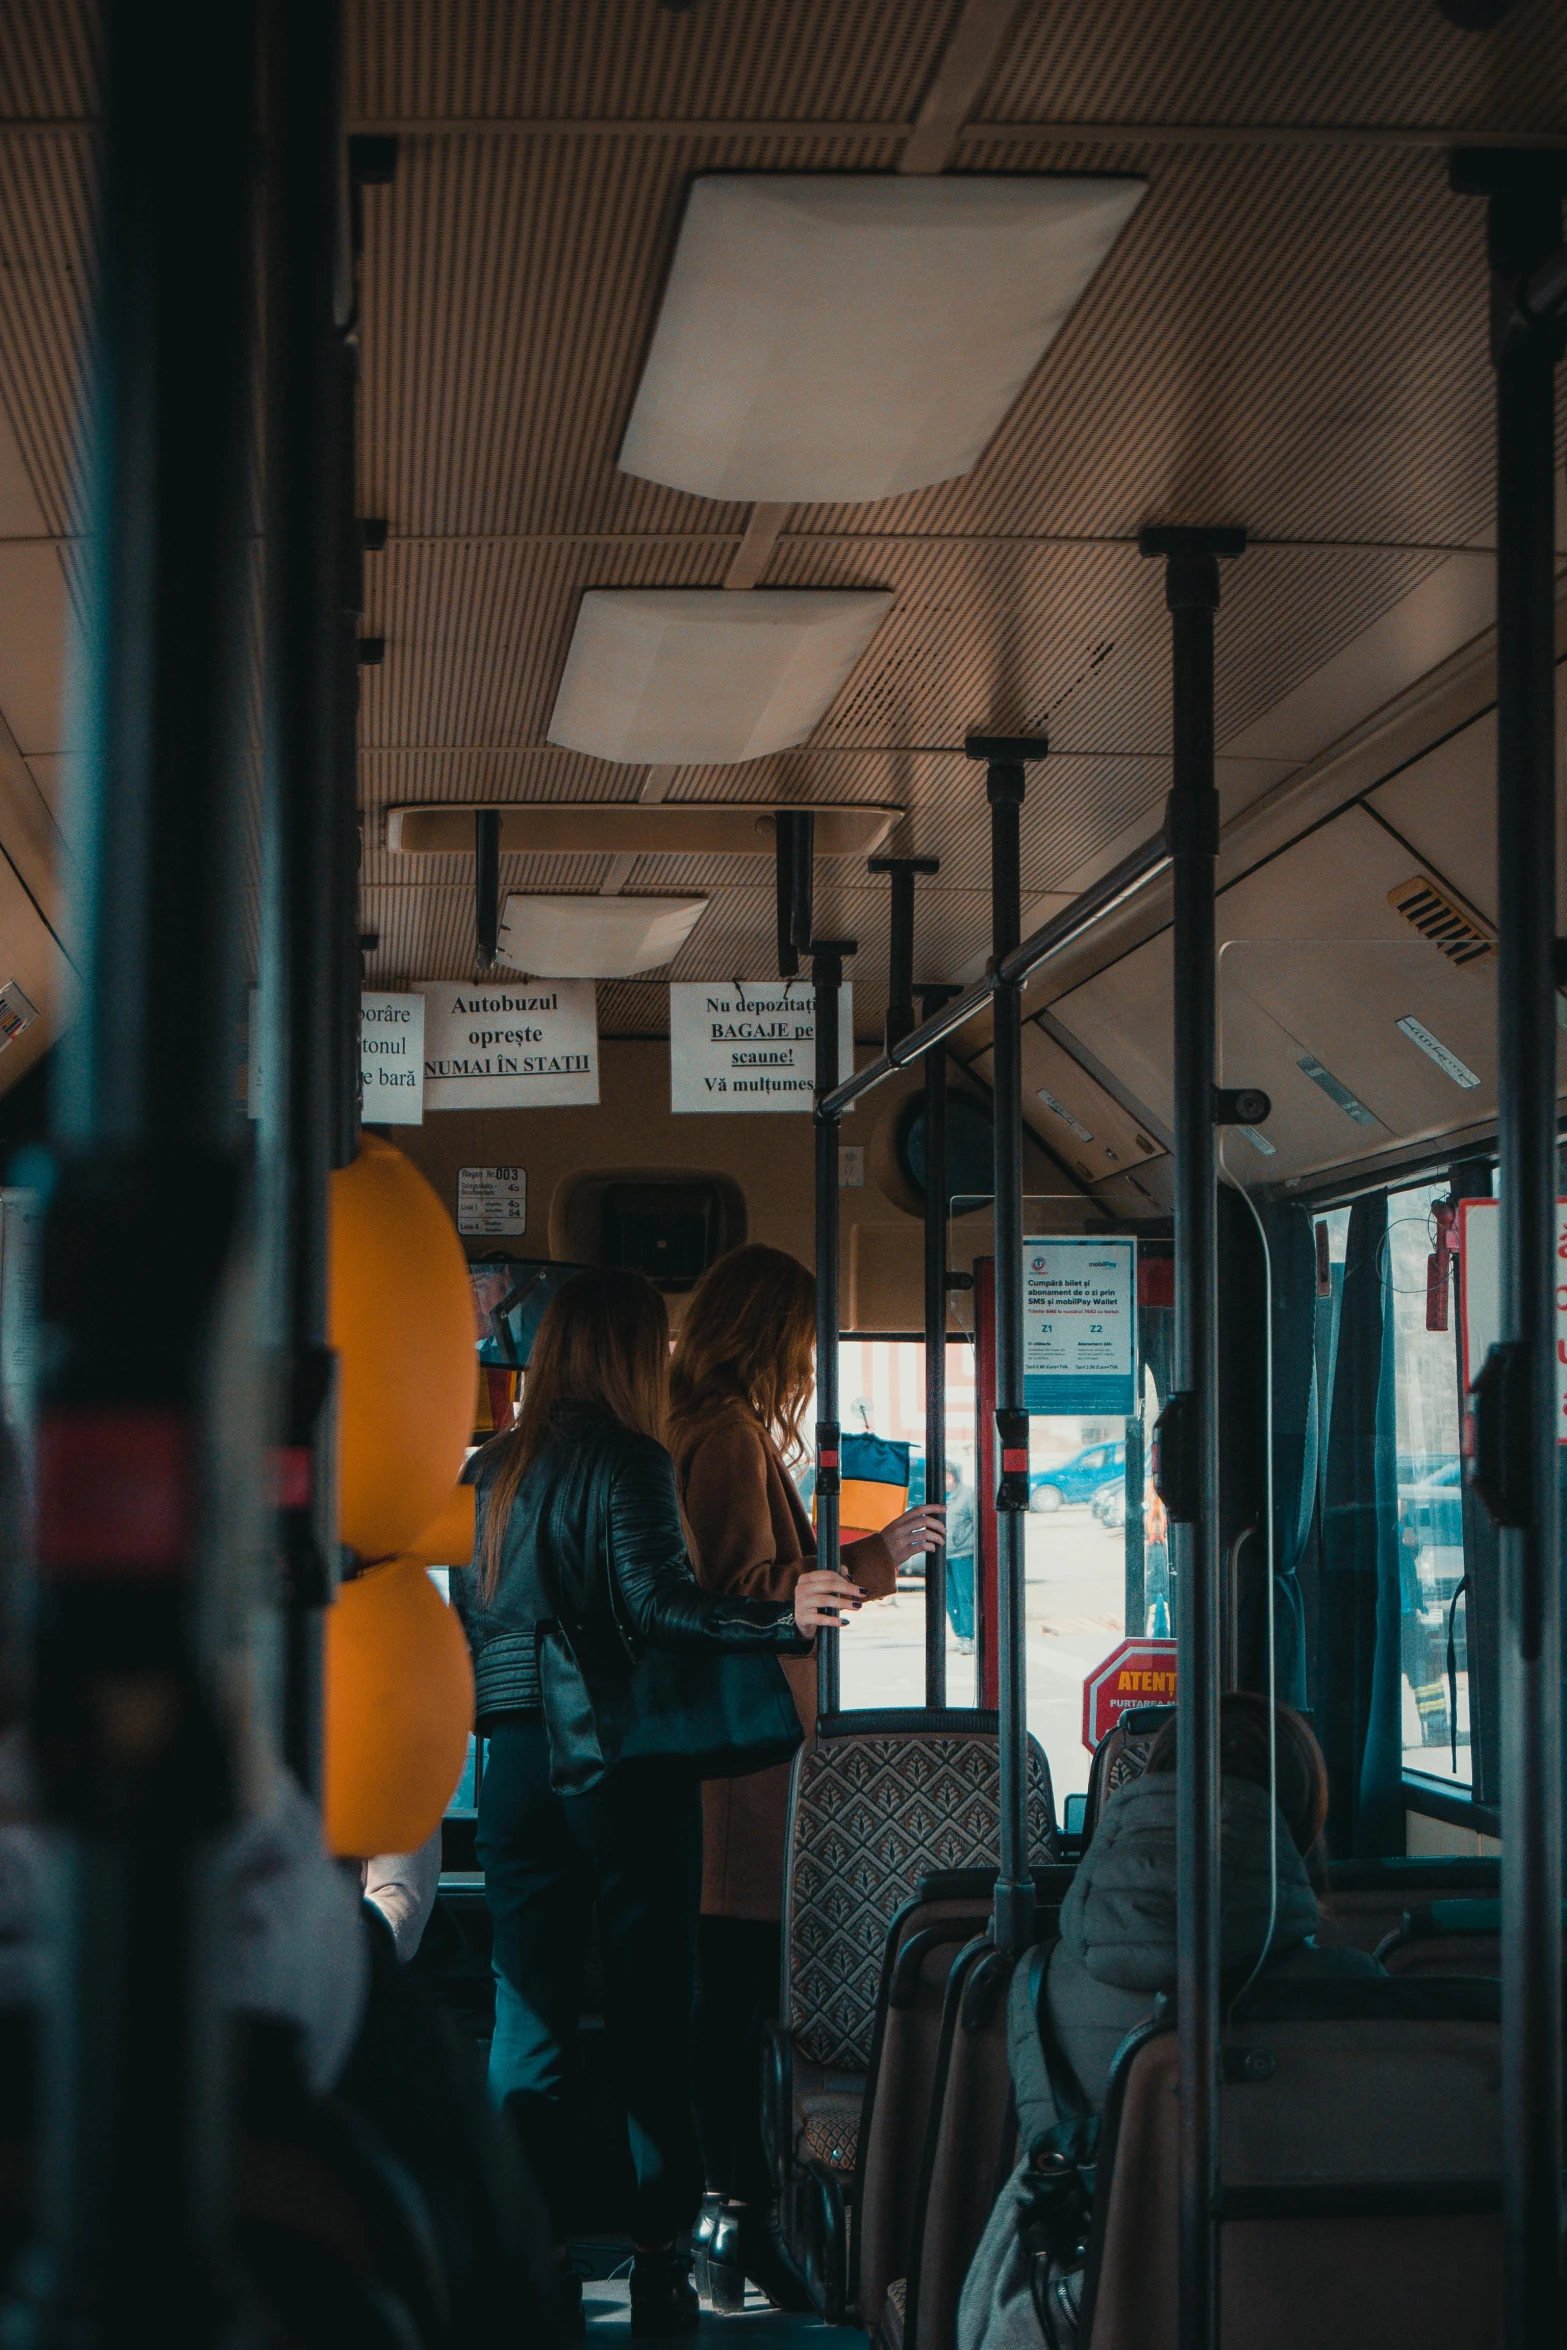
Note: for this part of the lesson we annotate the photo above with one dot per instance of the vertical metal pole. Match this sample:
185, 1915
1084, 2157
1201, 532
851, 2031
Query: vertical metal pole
343, 939
987, 1681
1525, 227
827, 975
305, 468
1012, 1924
150, 1443
936, 1210
1192, 593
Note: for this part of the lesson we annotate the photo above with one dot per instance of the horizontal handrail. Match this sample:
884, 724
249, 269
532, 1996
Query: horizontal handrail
1091, 906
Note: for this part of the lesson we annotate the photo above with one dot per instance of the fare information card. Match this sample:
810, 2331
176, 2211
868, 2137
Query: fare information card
1079, 1325
749, 1044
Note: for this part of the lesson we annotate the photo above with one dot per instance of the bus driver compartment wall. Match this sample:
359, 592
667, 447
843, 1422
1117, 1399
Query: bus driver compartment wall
763, 1164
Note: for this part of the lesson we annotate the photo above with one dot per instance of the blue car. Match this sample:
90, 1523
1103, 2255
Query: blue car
1080, 1478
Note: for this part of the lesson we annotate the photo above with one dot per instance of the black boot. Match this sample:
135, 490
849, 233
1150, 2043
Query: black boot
702, 2241
662, 2301
748, 2244
568, 2303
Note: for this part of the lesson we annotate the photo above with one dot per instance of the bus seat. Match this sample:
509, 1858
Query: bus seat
1366, 1899
1360, 2131
968, 2148
1119, 1756
879, 1800
898, 2098
1455, 1937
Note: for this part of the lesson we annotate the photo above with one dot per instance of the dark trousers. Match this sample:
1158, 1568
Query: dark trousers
736, 2000
632, 1848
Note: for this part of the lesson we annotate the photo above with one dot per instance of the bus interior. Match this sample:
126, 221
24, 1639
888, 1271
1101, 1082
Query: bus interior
929, 632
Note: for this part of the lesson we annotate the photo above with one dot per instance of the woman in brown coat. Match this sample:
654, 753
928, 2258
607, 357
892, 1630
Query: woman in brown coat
741, 1379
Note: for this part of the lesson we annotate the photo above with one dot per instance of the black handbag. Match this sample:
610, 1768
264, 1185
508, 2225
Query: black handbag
714, 1714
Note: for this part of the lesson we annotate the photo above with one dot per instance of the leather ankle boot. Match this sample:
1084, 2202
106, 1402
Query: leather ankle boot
749, 2245
702, 2242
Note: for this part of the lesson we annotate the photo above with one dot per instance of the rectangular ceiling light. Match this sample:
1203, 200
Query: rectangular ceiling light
842, 336
697, 677
594, 938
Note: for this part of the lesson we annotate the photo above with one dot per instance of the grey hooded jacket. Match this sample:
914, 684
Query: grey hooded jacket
1117, 1946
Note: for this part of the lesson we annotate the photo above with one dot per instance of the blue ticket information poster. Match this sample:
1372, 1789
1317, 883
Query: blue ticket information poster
1079, 1325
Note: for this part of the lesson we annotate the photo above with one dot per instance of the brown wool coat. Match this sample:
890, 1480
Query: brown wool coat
750, 1534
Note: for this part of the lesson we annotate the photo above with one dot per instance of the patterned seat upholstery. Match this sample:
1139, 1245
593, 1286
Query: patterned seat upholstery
873, 1809
1120, 1755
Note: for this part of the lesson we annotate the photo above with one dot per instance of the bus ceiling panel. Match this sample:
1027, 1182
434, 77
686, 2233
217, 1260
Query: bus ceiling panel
33, 623
622, 828
1087, 1129
1444, 805
30, 979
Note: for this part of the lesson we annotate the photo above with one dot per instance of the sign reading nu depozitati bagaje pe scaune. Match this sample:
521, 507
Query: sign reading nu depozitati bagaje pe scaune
1079, 1325
749, 1044
391, 1059
494, 1046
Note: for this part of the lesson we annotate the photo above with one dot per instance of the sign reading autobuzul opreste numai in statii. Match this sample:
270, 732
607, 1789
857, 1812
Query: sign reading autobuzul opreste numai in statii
749, 1044
492, 1046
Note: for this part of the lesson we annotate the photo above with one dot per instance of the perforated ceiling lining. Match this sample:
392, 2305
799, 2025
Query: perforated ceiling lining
1291, 335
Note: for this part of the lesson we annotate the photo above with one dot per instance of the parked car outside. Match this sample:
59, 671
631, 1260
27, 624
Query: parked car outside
1077, 1479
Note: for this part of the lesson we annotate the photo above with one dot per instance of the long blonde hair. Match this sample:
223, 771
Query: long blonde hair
604, 1339
750, 1331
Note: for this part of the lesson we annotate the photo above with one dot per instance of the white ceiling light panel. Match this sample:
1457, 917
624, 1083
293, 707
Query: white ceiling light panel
846, 336
594, 938
700, 677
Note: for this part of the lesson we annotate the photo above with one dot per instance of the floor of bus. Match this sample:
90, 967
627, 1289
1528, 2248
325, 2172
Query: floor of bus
604, 2263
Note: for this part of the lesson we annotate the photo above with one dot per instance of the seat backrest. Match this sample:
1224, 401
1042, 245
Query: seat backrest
1119, 1756
1360, 2135
970, 2145
898, 2093
877, 1802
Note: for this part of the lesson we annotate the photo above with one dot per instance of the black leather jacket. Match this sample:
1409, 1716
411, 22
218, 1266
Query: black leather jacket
594, 1541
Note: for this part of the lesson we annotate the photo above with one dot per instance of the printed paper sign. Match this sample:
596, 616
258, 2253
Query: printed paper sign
1480, 1292
749, 1044
492, 1202
491, 1046
1079, 1325
391, 1059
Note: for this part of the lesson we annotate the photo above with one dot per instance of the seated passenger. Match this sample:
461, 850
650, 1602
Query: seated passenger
578, 1519
1117, 1946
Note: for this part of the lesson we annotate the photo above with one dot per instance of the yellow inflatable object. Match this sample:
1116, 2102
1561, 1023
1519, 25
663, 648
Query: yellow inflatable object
399, 1706
400, 1314
448, 1540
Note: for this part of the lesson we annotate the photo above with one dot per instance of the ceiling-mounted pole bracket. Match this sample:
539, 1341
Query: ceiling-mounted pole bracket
794, 830
487, 882
900, 957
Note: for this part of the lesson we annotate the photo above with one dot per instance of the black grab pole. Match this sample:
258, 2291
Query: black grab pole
827, 958
151, 1446
937, 1207
1189, 1430
903, 873
298, 1121
1005, 756
1517, 1423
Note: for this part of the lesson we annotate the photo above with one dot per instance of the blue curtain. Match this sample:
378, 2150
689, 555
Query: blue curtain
1293, 1274
1359, 1713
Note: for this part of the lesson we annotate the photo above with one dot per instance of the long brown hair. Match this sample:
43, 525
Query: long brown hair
750, 1331
1302, 1790
604, 1339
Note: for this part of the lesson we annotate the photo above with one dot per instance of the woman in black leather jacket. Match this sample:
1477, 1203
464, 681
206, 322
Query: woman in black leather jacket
581, 1550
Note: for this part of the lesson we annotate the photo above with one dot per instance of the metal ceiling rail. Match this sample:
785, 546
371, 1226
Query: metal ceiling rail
1052, 938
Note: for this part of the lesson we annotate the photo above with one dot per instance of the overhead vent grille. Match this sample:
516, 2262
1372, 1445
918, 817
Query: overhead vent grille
1460, 936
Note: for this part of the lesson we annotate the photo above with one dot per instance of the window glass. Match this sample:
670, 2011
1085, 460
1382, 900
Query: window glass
1433, 1609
